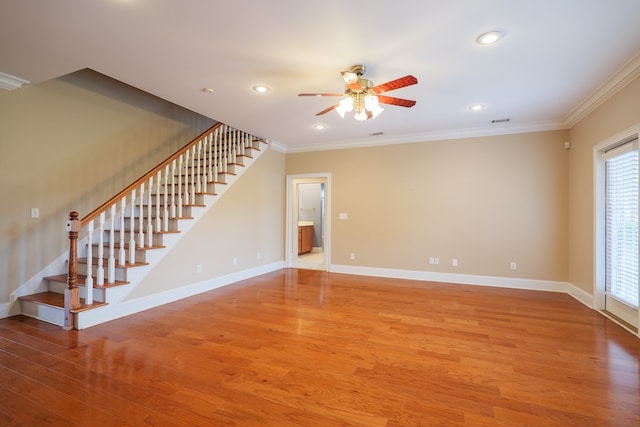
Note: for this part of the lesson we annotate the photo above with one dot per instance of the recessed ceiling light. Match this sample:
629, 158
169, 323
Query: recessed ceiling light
261, 89
489, 38
319, 126
207, 90
477, 107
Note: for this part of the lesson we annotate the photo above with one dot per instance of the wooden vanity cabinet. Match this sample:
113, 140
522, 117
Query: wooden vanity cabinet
305, 239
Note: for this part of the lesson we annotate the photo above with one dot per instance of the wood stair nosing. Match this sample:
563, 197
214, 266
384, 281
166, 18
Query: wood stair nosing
161, 232
146, 217
82, 281
204, 162
116, 245
105, 263
183, 184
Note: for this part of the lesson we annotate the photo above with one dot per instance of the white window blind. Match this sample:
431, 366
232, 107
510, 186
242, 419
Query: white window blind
621, 228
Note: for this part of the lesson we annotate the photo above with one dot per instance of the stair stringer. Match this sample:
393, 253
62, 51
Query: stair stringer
118, 306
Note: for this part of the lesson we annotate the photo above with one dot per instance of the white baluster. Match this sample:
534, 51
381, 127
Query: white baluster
150, 215
132, 229
112, 251
245, 140
234, 150
158, 202
216, 148
173, 188
198, 161
185, 198
165, 211
206, 169
225, 154
193, 175
179, 189
141, 217
89, 280
100, 267
122, 258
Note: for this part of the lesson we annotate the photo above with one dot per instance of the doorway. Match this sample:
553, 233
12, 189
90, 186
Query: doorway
617, 237
308, 226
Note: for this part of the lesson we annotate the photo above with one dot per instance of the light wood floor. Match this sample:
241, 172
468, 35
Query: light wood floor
309, 348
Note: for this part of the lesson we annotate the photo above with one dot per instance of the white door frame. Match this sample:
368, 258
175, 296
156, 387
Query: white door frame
291, 243
599, 288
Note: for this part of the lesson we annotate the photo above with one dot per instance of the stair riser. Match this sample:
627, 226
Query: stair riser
159, 199
157, 238
59, 288
121, 273
230, 168
173, 225
141, 254
152, 211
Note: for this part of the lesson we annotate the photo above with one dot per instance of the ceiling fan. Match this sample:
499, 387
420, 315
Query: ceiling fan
361, 96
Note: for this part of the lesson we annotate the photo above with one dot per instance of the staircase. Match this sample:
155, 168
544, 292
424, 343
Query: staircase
114, 247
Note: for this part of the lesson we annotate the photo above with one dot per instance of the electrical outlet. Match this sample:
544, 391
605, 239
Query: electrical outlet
514, 266
454, 262
199, 268
352, 256
436, 261
432, 260
35, 212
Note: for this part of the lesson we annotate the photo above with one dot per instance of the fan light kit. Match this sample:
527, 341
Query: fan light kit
363, 98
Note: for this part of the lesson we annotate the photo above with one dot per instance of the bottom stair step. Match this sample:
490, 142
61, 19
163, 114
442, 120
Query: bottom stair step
56, 300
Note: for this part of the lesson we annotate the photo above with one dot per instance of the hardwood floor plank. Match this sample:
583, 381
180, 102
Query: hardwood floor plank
310, 348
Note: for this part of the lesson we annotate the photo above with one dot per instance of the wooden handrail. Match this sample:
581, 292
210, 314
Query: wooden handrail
102, 208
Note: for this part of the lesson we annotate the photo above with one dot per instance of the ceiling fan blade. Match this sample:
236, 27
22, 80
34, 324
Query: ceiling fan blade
395, 84
326, 110
321, 94
396, 101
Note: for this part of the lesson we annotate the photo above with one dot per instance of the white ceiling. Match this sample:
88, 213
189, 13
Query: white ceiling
558, 58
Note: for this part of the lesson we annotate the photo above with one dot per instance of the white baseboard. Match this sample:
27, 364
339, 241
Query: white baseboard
94, 317
9, 309
469, 279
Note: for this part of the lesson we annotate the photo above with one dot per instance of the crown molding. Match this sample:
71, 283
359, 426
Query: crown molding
278, 146
503, 129
625, 75
10, 82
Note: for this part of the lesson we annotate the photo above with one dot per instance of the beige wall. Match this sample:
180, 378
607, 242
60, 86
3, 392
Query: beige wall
483, 201
246, 221
69, 144
618, 114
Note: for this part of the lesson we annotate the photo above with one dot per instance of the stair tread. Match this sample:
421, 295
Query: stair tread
82, 280
53, 299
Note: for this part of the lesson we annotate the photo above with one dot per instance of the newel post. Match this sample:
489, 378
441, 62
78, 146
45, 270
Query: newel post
72, 293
